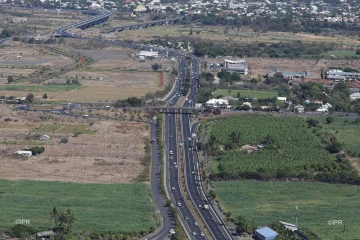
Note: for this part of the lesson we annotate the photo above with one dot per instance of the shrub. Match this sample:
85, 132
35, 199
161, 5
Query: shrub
64, 140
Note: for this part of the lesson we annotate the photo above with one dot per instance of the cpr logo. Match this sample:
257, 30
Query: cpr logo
22, 221
335, 222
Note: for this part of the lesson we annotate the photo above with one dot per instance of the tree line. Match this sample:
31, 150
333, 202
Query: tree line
294, 49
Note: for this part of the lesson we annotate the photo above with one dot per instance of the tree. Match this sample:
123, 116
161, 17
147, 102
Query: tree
30, 98
217, 111
54, 215
358, 52
329, 120
45, 96
10, 79
228, 217
66, 221
212, 195
156, 66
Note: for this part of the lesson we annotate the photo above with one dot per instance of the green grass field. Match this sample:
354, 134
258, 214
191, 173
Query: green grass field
341, 54
39, 88
345, 131
62, 128
118, 208
264, 202
246, 93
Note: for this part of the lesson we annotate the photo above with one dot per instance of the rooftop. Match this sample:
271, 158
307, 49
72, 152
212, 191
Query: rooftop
266, 232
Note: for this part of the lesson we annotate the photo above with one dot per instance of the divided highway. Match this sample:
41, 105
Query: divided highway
192, 172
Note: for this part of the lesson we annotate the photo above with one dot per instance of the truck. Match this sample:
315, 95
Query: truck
206, 207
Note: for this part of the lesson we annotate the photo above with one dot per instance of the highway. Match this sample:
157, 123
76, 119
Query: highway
192, 172
172, 174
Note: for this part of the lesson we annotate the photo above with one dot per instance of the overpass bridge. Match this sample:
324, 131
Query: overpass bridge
143, 24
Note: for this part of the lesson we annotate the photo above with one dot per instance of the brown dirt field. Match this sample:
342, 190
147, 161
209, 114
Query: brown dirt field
110, 155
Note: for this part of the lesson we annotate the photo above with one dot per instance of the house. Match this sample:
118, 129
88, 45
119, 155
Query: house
299, 108
281, 99
216, 102
354, 96
24, 153
265, 233
44, 138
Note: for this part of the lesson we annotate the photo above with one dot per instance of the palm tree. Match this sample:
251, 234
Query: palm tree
66, 221
54, 215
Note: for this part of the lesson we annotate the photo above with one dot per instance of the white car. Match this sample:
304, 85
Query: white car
202, 234
171, 152
179, 204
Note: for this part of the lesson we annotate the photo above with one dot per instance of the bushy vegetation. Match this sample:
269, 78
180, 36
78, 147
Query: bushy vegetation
280, 24
258, 203
291, 148
294, 49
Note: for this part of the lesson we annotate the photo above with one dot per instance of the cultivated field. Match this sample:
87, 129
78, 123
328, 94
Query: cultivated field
261, 203
292, 146
98, 208
246, 93
104, 151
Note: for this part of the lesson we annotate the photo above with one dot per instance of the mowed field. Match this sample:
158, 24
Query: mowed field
246, 93
104, 152
101, 208
264, 202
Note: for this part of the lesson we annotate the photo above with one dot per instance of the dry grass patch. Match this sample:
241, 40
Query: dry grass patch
111, 154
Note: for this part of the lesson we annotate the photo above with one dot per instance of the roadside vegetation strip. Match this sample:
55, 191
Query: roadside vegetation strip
245, 93
264, 202
98, 208
40, 88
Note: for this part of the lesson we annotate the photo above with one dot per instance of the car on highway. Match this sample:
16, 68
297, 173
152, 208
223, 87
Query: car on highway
171, 152
202, 234
179, 204
196, 224
194, 233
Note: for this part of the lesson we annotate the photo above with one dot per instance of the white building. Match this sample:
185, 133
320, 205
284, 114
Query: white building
148, 54
354, 96
24, 153
238, 66
216, 102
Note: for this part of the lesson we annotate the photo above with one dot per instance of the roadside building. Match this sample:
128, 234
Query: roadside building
238, 66
216, 102
265, 233
147, 54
